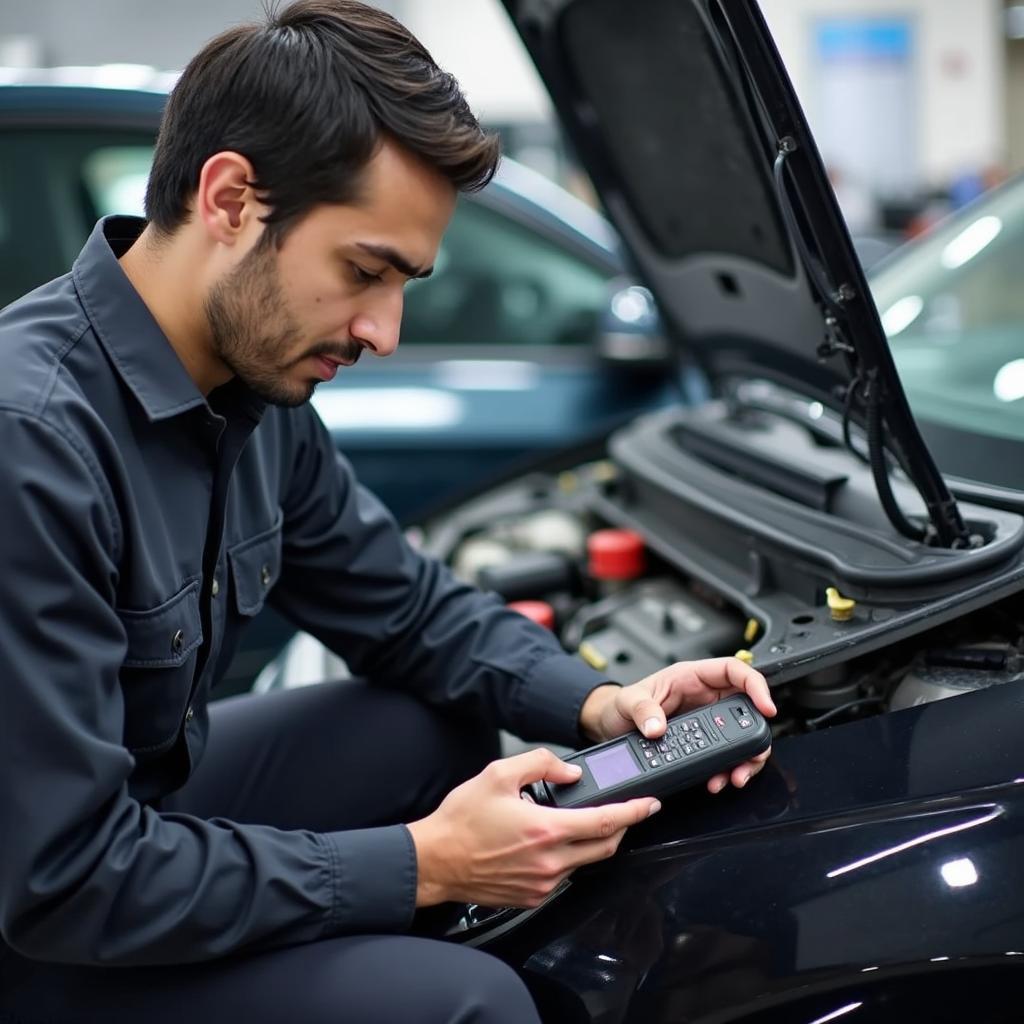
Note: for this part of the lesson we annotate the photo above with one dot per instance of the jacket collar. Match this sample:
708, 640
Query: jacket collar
136, 345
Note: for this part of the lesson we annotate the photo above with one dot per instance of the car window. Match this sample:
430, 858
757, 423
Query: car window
496, 281
54, 185
953, 308
499, 282
115, 178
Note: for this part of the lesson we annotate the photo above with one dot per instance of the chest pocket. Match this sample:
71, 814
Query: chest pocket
156, 677
255, 567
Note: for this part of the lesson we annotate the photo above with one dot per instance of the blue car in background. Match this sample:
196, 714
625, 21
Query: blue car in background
510, 350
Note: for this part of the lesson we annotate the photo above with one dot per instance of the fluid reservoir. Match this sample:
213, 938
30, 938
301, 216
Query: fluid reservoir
614, 556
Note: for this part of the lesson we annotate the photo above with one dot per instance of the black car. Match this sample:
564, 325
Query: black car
873, 871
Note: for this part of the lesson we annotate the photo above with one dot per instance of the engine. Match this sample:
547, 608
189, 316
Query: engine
628, 610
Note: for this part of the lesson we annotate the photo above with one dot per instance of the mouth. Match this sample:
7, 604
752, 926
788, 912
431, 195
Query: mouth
327, 366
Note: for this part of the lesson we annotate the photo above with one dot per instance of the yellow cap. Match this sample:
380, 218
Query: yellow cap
841, 608
568, 481
593, 657
745, 656
750, 633
604, 471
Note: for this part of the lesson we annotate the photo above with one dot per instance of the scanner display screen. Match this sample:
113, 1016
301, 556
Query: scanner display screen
612, 765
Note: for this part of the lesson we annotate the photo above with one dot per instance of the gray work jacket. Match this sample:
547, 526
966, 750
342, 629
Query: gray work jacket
141, 527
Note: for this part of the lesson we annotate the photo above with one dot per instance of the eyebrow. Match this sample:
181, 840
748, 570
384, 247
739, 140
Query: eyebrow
396, 259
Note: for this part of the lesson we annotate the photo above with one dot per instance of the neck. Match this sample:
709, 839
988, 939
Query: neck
163, 272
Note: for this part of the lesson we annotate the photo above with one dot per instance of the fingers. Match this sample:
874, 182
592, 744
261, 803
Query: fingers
696, 683
742, 677
588, 851
740, 775
717, 783
580, 824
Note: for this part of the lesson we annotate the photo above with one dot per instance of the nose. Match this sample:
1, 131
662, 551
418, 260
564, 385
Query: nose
378, 324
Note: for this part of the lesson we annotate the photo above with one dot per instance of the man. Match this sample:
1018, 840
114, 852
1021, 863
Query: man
163, 477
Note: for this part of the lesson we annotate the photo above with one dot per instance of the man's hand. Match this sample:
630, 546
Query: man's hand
485, 844
611, 711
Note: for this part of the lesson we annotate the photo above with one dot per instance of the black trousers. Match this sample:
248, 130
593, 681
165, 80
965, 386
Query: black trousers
332, 756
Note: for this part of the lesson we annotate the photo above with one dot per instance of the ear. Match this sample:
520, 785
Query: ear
226, 204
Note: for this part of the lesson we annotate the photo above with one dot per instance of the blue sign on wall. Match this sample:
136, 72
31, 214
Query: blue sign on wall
863, 39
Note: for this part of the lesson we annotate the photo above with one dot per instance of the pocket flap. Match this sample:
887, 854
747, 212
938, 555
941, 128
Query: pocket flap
164, 636
255, 568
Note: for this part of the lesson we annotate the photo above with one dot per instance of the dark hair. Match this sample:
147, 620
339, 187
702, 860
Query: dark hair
307, 97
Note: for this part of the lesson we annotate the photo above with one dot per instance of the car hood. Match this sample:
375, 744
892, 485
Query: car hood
683, 115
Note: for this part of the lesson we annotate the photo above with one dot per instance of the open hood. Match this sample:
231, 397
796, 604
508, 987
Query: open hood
683, 115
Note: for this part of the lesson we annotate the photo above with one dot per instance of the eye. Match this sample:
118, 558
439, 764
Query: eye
363, 276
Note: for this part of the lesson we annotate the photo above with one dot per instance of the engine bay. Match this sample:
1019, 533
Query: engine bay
636, 561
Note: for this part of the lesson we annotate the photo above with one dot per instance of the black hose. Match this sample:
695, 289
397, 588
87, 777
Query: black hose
880, 473
851, 393
789, 216
813, 723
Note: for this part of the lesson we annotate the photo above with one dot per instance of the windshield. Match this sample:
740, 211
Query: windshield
953, 308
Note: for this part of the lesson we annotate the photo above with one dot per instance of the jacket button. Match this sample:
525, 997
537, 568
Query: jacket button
190, 714
265, 575
215, 587
178, 641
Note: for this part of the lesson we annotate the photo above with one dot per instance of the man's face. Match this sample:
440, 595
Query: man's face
284, 320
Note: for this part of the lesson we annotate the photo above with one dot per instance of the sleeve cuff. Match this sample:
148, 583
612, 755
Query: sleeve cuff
373, 880
551, 696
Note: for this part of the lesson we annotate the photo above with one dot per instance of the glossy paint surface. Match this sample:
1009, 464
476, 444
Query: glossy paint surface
875, 868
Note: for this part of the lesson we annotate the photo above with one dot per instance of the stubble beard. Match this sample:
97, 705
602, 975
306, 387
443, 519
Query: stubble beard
252, 329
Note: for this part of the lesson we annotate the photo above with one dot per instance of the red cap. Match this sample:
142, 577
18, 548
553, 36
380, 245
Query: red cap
615, 555
538, 611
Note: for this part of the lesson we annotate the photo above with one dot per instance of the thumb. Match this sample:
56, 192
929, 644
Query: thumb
649, 717
535, 765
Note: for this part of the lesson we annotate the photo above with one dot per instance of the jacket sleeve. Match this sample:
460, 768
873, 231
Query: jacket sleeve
88, 874
351, 579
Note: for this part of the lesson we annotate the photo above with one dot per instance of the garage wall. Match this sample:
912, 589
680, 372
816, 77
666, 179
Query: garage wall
958, 60
957, 65
157, 32
474, 40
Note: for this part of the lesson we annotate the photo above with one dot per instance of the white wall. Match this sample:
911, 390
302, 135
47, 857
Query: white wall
163, 33
475, 41
957, 64
959, 54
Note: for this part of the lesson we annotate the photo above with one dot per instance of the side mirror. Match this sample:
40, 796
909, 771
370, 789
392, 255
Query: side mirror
629, 329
